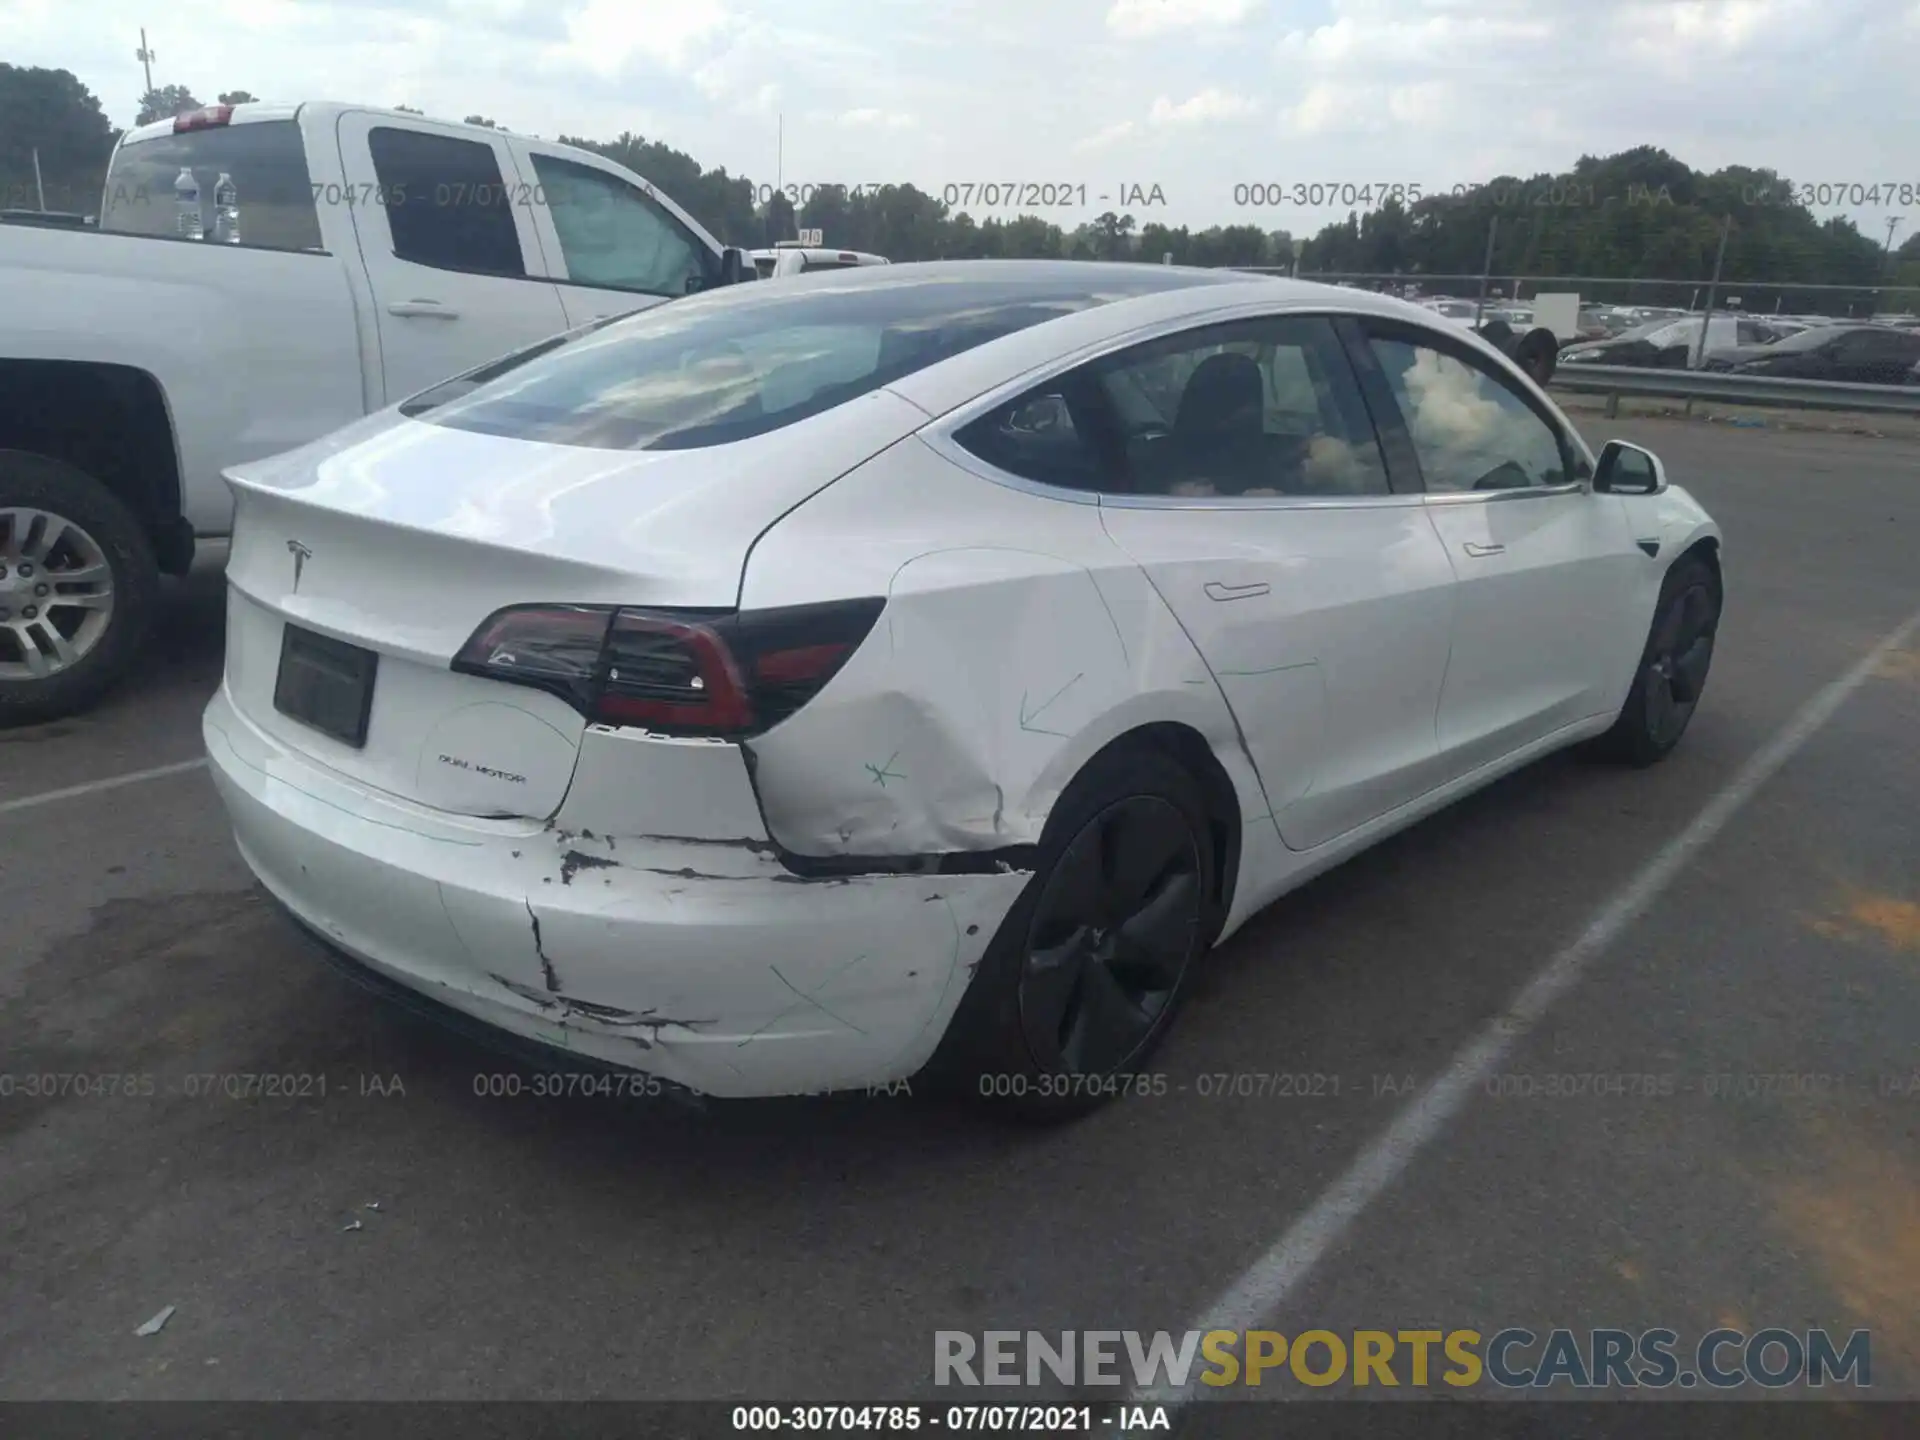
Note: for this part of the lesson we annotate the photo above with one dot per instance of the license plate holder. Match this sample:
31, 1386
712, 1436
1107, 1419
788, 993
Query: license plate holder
326, 685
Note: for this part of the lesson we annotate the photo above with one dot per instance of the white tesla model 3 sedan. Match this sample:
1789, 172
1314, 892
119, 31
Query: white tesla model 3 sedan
918, 668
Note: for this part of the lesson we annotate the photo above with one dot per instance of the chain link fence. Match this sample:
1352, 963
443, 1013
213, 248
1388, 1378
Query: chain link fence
1629, 292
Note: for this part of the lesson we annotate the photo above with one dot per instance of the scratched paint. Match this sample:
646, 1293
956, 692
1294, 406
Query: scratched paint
1002, 664
743, 986
996, 674
884, 771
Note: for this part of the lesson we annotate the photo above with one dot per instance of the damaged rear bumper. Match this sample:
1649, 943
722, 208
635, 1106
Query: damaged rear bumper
707, 963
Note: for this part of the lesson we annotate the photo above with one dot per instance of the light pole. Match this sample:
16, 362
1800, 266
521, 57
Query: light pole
1886, 254
146, 57
1713, 286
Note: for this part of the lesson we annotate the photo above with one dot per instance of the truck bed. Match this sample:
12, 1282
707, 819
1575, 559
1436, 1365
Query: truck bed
256, 350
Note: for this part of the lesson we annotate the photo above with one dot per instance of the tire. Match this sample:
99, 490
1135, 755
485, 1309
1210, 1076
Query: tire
1672, 673
99, 535
1026, 1042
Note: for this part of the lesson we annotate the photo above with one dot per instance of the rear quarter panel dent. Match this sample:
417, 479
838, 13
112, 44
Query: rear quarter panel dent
1000, 672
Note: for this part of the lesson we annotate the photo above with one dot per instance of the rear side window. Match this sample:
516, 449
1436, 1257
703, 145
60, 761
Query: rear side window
1036, 437
616, 237
447, 205
744, 360
1256, 409
265, 158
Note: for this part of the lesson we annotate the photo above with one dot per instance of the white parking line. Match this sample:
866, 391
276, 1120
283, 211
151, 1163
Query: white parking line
93, 787
1266, 1284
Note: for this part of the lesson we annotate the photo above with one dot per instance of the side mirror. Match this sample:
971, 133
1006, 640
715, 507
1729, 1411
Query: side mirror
1629, 470
734, 266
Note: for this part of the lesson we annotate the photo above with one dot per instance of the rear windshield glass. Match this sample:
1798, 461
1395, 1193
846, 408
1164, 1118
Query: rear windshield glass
729, 364
266, 160
472, 380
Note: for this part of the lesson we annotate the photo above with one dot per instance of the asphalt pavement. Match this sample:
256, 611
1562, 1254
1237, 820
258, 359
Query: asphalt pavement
585, 1247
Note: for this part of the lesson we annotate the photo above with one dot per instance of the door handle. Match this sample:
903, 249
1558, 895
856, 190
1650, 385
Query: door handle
431, 309
1480, 552
1218, 591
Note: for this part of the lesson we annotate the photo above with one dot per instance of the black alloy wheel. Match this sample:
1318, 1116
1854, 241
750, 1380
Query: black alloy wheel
1111, 937
1676, 672
1087, 971
1673, 667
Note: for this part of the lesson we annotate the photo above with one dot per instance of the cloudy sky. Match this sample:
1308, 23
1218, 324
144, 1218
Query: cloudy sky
1194, 96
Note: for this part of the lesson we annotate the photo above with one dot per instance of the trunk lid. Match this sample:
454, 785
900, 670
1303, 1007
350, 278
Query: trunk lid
400, 537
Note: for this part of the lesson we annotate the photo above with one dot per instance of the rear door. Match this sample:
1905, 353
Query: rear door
1251, 488
614, 246
451, 249
1543, 624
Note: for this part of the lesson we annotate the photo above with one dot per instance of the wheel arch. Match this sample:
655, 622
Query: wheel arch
112, 423
1706, 549
1190, 749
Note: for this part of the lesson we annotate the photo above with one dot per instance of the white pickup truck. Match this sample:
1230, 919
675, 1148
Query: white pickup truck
351, 257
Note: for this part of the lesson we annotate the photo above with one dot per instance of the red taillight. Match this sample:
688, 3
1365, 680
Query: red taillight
205, 118
676, 672
672, 675
786, 667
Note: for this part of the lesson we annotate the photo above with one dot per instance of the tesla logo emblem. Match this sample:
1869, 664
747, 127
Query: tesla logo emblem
301, 554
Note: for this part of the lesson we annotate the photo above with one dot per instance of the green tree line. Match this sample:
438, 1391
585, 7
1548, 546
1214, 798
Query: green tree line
1639, 215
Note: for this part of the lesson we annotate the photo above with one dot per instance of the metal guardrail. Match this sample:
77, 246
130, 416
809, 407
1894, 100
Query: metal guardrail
1617, 380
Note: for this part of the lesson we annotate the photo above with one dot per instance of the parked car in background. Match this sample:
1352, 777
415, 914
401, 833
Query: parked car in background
790, 257
568, 729
260, 275
1852, 354
805, 259
1601, 322
1534, 348
1670, 344
1635, 316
